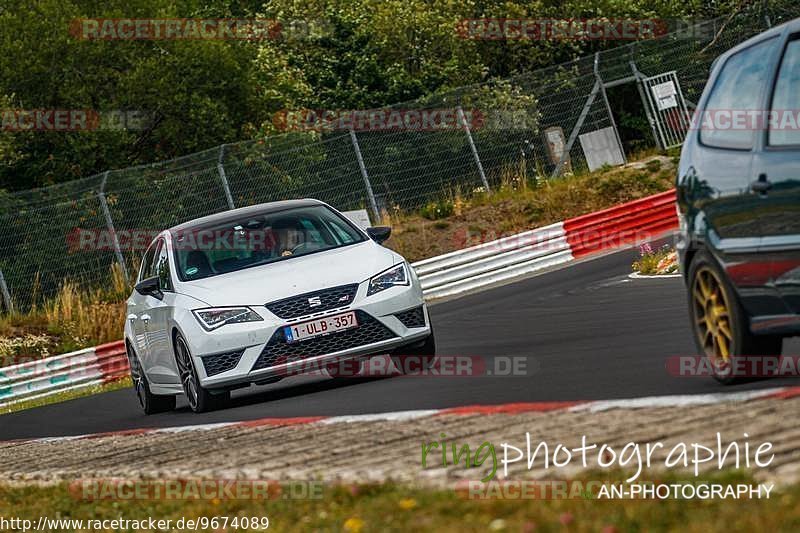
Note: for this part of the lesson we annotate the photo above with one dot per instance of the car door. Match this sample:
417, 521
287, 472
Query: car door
776, 175
161, 369
138, 305
722, 156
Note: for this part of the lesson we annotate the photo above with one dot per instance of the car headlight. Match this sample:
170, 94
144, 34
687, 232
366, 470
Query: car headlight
213, 317
397, 275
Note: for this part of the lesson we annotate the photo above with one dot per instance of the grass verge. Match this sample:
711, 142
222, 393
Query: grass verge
390, 507
517, 205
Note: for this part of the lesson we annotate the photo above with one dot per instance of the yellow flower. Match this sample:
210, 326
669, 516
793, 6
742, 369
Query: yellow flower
353, 524
407, 503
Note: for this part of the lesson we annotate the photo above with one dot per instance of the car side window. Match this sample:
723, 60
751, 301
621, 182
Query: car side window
784, 129
161, 268
147, 261
739, 87
341, 234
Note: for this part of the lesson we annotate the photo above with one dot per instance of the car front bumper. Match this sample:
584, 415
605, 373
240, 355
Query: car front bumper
246, 342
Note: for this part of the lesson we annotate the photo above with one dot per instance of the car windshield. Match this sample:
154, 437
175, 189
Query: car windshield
228, 246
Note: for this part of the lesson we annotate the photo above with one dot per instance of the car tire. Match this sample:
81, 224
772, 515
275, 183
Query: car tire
150, 403
200, 399
414, 359
720, 325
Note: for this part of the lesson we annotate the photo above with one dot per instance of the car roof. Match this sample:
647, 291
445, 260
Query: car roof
233, 215
793, 25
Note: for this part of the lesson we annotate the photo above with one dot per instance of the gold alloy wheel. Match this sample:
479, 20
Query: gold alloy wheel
712, 315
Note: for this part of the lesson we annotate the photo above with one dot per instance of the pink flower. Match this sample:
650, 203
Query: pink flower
566, 518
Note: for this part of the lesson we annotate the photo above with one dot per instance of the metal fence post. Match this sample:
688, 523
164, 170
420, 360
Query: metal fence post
367, 184
224, 178
576, 129
463, 120
650, 119
608, 105
110, 225
6, 295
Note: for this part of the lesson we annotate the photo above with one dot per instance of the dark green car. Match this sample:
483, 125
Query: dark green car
738, 194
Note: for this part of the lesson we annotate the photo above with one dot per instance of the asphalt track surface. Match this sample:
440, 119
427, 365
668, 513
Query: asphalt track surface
587, 332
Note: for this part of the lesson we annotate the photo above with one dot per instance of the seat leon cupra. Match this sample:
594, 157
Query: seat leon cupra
256, 294
738, 193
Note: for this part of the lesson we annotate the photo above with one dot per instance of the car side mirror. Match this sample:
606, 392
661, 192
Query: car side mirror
149, 287
379, 233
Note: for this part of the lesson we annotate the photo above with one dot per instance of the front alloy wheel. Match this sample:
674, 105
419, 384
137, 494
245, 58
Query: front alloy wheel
200, 400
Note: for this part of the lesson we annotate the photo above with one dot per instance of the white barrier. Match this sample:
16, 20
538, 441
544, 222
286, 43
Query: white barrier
43, 377
493, 262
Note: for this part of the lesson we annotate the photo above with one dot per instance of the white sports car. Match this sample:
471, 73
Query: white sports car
255, 294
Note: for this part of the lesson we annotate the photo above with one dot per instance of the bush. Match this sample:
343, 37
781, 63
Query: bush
437, 210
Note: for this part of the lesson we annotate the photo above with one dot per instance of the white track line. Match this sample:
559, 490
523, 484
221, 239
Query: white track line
680, 400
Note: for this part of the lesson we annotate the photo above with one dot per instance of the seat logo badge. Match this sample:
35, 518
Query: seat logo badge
314, 301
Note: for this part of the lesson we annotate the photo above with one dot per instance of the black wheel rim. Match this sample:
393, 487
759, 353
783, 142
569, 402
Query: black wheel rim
138, 380
186, 370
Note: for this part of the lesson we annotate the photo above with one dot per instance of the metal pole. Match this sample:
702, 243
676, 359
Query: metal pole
224, 178
6, 294
463, 120
110, 225
576, 129
646, 102
608, 105
367, 184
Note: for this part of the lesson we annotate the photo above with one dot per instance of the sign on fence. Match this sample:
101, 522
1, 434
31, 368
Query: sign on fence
359, 217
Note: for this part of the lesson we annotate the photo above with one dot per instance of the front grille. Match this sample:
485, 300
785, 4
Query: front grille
278, 351
322, 300
221, 362
413, 318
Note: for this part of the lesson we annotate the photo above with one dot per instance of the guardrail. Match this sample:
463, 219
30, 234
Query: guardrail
44, 377
511, 257
446, 275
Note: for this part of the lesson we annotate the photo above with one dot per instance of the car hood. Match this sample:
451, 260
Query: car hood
320, 270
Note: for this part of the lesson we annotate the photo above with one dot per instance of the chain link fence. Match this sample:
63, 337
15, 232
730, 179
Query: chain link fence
381, 171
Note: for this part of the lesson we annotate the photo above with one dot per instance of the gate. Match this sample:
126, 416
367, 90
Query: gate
666, 108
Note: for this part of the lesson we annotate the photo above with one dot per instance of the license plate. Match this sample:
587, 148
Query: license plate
321, 326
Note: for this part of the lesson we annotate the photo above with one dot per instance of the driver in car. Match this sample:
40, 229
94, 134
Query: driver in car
288, 236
